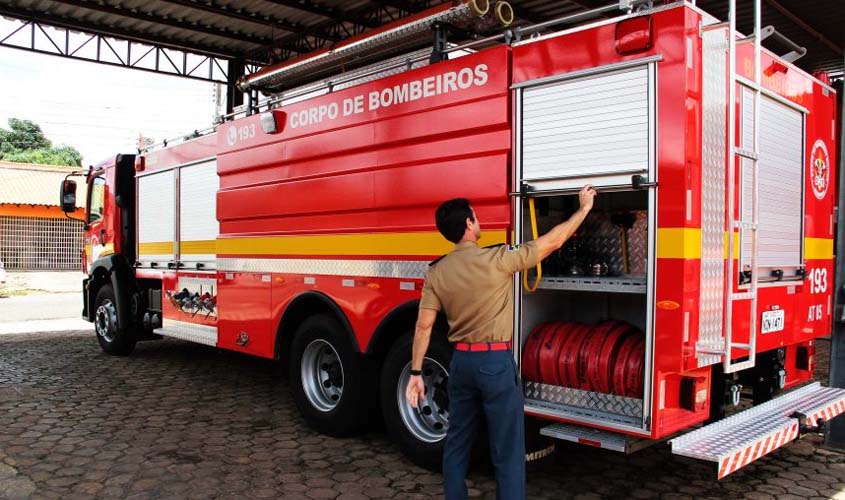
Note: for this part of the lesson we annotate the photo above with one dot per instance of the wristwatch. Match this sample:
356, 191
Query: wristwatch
416, 372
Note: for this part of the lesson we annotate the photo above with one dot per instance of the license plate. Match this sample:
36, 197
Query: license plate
772, 321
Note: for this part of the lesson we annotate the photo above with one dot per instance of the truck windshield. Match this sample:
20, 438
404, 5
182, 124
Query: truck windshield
96, 199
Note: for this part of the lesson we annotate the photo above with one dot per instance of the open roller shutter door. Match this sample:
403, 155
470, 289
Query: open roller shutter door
595, 126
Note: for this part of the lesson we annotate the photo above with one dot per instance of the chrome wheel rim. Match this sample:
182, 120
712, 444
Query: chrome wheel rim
430, 421
105, 320
322, 375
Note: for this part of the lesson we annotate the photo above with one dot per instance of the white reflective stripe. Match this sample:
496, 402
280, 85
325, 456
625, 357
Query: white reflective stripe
327, 267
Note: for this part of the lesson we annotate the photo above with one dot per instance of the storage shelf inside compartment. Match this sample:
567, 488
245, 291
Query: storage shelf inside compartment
618, 284
588, 316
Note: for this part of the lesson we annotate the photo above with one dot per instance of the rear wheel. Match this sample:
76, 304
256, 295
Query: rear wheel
327, 378
420, 433
112, 338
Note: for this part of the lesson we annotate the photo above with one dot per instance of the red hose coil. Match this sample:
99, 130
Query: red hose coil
550, 348
531, 353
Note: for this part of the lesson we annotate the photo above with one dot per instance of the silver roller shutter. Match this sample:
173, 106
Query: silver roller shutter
780, 183
596, 126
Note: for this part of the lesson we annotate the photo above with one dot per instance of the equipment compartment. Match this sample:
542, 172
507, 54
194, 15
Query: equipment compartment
584, 354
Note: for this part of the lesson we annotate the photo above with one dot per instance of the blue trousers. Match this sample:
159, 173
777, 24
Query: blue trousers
485, 383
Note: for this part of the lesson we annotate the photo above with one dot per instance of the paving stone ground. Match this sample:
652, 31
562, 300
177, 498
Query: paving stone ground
179, 420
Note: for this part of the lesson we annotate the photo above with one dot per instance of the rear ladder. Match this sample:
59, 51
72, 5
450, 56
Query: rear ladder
750, 155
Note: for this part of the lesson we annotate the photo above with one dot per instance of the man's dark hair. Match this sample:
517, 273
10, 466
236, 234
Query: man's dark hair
451, 218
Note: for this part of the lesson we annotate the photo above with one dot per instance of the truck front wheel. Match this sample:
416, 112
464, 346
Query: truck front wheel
112, 338
327, 378
420, 433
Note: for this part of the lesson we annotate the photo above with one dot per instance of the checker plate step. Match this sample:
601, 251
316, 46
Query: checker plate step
594, 437
740, 439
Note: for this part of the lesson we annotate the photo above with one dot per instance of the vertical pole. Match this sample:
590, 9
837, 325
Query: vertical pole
730, 163
234, 97
835, 435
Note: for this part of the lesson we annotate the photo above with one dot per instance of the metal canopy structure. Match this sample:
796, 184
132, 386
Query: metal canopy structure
219, 40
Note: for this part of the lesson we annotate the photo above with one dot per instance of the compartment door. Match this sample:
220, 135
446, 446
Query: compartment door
157, 219
198, 226
598, 126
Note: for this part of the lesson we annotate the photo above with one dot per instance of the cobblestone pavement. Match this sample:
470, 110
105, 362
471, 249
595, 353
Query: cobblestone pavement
177, 420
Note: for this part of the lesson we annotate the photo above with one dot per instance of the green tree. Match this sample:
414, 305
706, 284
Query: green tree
25, 142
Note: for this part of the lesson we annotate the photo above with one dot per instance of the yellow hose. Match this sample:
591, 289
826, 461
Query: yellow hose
533, 214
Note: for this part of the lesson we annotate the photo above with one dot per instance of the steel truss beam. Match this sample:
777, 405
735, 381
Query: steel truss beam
225, 11
350, 24
115, 32
325, 11
140, 15
115, 52
369, 15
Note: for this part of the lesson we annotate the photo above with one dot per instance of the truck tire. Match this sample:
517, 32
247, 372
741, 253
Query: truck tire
328, 378
113, 339
419, 434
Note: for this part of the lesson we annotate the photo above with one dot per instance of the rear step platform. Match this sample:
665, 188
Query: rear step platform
740, 439
593, 437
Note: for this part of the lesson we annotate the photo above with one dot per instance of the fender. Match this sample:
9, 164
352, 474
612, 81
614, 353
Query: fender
385, 333
303, 305
115, 270
402, 316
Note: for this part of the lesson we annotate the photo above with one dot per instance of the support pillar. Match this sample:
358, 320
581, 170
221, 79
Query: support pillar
835, 435
234, 97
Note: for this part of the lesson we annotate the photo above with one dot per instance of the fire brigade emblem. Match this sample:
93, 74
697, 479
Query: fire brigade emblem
819, 169
232, 136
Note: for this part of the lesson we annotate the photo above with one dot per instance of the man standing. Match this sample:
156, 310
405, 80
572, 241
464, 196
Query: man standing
474, 287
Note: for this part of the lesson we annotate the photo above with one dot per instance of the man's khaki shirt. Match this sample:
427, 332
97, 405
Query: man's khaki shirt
474, 287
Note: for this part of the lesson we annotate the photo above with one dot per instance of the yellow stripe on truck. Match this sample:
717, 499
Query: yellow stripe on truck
678, 243
156, 248
421, 243
685, 243
818, 248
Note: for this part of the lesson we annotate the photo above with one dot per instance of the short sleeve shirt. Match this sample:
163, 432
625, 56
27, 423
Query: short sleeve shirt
474, 287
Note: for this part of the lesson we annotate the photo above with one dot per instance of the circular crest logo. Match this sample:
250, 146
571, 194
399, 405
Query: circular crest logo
232, 136
819, 169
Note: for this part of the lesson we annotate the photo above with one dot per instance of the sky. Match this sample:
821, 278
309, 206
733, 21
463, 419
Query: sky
99, 109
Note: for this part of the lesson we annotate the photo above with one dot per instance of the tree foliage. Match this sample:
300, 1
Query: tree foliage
25, 142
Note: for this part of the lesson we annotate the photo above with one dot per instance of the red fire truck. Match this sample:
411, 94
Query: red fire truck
300, 229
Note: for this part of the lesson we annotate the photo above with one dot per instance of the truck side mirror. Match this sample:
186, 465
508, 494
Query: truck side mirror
68, 196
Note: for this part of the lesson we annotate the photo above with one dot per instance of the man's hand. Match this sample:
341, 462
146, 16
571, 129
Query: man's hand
415, 391
586, 196
555, 238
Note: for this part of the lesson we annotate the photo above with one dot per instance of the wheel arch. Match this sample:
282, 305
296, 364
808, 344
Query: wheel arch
301, 307
115, 271
402, 317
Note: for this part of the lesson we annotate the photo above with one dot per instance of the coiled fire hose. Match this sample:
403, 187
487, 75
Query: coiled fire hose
533, 215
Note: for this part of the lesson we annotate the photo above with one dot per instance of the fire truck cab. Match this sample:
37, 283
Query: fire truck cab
300, 230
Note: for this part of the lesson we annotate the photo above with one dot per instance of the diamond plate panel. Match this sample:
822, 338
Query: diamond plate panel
191, 332
328, 267
601, 242
714, 123
610, 403
638, 245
